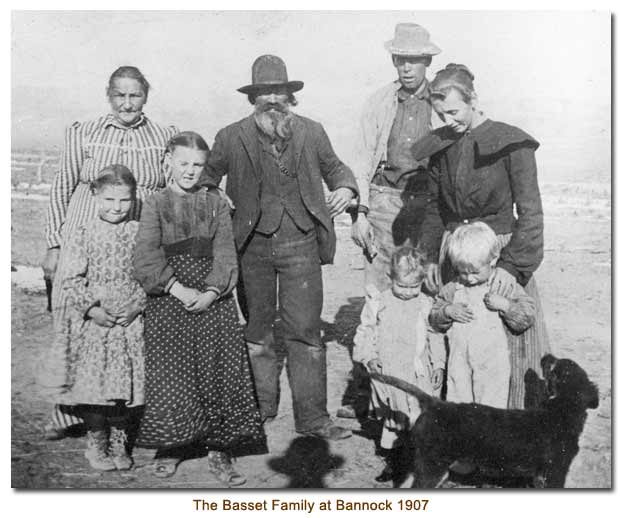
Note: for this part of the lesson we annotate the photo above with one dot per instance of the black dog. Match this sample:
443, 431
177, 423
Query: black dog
539, 443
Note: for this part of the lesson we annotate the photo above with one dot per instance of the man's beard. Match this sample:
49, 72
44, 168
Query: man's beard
274, 120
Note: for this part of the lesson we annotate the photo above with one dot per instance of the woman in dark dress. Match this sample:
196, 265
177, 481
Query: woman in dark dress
483, 170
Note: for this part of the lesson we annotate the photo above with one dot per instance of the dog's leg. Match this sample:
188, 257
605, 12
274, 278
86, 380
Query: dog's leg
406, 483
559, 464
556, 476
443, 479
402, 463
430, 474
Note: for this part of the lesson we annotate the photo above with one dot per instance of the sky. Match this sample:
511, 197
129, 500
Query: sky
547, 72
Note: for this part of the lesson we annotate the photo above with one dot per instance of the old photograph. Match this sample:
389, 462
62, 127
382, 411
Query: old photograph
311, 249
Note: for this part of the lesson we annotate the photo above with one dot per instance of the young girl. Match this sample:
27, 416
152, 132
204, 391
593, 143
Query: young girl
106, 367
474, 319
198, 385
394, 338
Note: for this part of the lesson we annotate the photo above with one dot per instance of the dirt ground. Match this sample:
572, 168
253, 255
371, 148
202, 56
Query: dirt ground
575, 284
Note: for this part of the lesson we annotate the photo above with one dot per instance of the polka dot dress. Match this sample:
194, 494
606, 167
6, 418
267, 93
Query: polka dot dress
198, 382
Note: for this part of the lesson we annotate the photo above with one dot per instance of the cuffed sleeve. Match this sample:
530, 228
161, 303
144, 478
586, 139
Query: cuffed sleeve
521, 312
437, 318
524, 252
151, 269
223, 276
171, 281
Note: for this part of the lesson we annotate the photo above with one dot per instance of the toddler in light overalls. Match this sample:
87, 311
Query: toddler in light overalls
476, 321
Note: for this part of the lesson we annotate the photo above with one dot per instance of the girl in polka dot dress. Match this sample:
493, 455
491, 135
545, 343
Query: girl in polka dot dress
199, 390
104, 373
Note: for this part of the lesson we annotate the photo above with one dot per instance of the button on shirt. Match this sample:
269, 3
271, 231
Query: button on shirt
410, 124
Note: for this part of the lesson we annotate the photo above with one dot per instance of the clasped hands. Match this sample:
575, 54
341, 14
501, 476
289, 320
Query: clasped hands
193, 300
105, 318
502, 284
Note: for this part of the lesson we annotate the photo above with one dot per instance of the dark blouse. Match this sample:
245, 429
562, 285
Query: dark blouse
168, 218
485, 175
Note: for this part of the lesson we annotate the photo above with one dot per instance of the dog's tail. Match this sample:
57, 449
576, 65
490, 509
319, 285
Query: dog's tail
425, 400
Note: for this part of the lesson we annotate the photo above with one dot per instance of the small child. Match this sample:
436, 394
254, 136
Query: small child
106, 366
474, 319
199, 388
394, 338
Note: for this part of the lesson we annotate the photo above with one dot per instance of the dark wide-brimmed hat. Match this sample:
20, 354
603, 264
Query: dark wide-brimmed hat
411, 39
269, 71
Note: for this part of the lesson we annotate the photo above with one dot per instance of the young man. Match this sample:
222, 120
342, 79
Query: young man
393, 186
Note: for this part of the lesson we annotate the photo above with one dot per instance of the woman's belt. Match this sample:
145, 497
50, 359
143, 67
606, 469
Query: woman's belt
193, 246
500, 223
451, 226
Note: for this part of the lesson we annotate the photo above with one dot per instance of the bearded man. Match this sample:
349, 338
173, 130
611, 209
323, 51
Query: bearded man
276, 161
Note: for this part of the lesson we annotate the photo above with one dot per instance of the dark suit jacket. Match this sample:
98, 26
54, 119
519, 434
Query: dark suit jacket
236, 153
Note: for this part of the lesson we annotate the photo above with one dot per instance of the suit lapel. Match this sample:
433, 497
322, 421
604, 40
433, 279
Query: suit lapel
249, 139
299, 140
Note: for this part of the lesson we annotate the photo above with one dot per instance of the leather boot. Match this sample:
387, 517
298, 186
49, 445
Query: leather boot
97, 451
118, 449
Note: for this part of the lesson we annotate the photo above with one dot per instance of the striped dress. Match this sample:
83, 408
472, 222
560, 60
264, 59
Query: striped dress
88, 148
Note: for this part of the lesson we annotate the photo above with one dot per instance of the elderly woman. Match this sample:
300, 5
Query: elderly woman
479, 170
124, 136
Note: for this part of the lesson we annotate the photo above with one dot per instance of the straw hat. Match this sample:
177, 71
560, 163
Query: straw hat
268, 71
411, 39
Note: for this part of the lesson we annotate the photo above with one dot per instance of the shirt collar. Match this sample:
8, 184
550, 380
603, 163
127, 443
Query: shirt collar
110, 120
421, 93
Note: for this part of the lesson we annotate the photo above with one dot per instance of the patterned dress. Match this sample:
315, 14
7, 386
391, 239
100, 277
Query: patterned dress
89, 147
198, 382
105, 363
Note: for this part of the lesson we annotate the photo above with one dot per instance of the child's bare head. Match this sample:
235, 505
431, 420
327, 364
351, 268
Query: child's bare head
407, 271
473, 250
115, 191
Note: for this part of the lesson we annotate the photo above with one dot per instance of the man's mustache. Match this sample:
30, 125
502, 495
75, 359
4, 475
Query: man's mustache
282, 108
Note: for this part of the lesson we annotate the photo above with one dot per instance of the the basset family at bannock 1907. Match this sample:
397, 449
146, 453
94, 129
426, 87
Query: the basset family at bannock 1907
185, 273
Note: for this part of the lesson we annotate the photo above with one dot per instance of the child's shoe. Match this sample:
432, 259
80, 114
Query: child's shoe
96, 451
52, 433
386, 475
220, 465
118, 449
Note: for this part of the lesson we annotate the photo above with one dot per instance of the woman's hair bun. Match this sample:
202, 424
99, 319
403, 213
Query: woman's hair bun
460, 68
